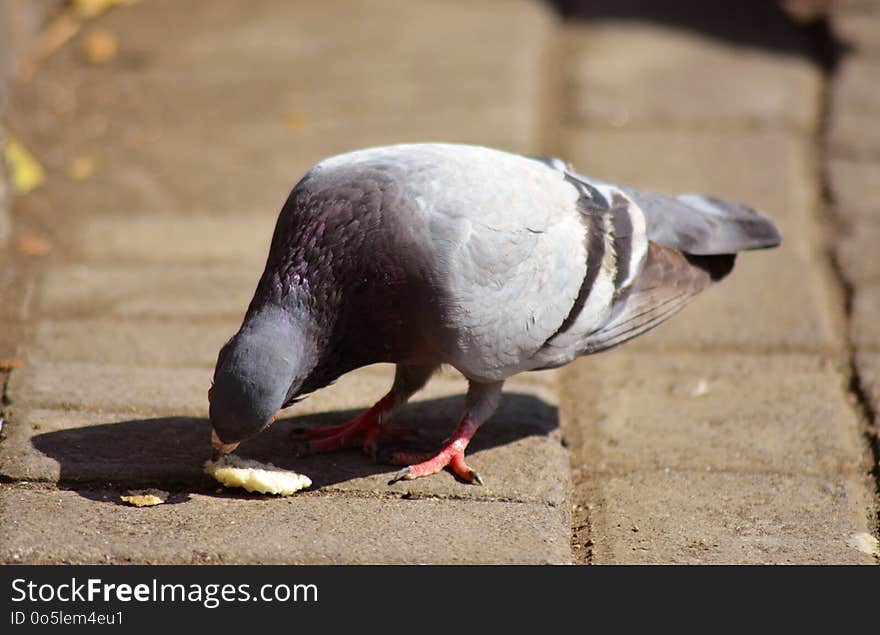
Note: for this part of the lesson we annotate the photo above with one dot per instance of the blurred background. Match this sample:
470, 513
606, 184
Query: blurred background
149, 144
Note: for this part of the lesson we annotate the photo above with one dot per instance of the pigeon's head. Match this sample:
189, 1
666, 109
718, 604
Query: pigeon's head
255, 371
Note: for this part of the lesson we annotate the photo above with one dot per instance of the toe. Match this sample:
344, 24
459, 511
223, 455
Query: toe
403, 475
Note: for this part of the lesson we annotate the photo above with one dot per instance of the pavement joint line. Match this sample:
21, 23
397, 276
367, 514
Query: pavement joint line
328, 493
336, 492
834, 49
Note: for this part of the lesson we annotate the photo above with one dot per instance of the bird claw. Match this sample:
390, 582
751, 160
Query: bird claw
448, 458
403, 475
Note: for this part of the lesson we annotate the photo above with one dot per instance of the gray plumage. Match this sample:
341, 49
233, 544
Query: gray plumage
493, 263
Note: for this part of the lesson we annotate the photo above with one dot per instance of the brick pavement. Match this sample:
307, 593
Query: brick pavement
729, 435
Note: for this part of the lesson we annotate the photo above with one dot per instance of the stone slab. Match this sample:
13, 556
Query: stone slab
857, 252
660, 517
855, 100
623, 73
197, 239
157, 291
782, 414
149, 342
97, 387
54, 527
853, 185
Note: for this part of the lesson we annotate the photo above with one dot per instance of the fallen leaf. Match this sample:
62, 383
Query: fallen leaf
9, 364
99, 46
59, 30
85, 9
26, 172
80, 168
144, 497
296, 120
32, 245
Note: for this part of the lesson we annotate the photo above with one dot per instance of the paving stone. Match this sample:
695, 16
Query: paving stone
723, 164
156, 291
864, 326
101, 438
853, 185
726, 518
857, 253
734, 413
202, 239
53, 527
629, 72
149, 342
854, 103
96, 387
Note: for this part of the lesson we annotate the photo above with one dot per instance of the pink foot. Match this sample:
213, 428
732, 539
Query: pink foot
366, 429
451, 457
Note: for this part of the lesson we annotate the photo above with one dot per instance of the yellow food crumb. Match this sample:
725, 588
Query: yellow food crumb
145, 497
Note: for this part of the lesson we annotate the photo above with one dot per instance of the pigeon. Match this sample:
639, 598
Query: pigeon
490, 262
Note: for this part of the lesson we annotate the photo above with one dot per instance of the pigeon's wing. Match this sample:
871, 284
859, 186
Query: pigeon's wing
668, 280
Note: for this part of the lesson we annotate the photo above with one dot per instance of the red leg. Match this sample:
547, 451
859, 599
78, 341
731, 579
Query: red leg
366, 428
451, 457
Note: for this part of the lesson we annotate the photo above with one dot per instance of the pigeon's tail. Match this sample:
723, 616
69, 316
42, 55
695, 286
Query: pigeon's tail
702, 225
740, 227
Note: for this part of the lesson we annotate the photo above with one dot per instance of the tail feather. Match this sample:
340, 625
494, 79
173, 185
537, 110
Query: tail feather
703, 225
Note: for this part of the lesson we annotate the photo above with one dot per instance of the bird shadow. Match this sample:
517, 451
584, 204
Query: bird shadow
754, 23
169, 452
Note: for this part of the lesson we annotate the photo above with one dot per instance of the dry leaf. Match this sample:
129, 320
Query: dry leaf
80, 168
26, 172
296, 120
32, 245
9, 364
99, 46
53, 37
144, 497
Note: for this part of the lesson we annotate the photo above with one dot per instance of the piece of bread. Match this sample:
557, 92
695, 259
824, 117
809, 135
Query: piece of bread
253, 476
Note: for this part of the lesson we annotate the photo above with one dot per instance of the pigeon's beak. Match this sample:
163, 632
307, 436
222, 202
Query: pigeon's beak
219, 446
